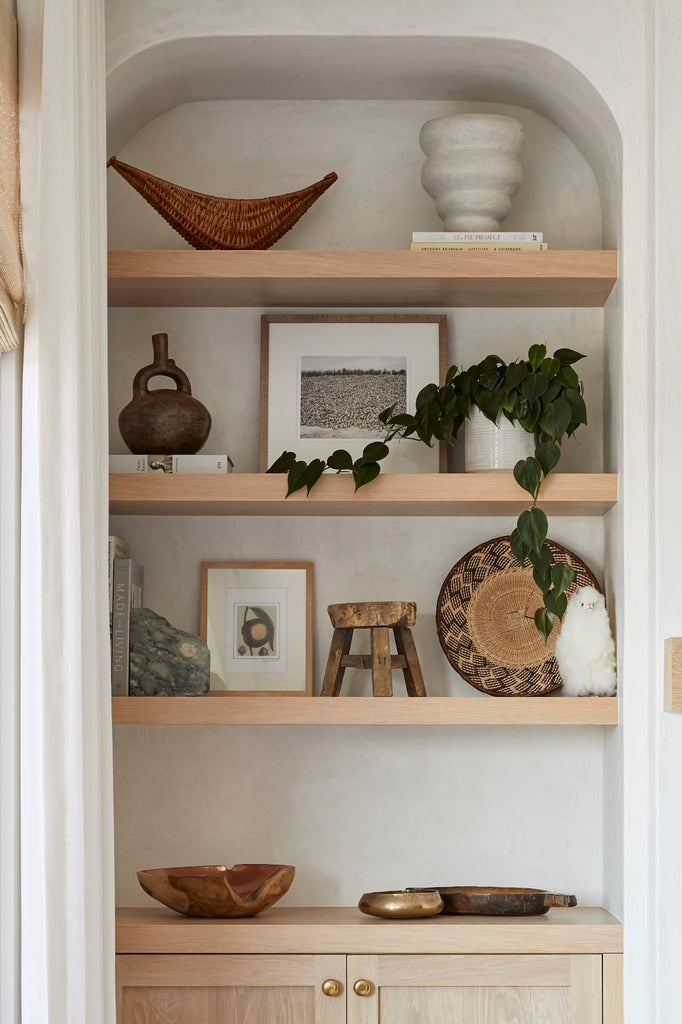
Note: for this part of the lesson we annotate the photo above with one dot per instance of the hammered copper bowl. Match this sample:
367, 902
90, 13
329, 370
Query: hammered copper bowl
217, 891
401, 903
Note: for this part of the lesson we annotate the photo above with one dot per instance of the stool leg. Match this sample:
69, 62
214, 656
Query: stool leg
405, 645
382, 682
333, 676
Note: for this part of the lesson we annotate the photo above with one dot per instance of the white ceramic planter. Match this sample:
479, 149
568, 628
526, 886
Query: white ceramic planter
494, 446
472, 168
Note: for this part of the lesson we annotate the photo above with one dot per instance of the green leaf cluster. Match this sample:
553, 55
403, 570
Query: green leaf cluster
306, 474
542, 393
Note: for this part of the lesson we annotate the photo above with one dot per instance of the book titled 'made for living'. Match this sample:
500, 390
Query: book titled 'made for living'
128, 578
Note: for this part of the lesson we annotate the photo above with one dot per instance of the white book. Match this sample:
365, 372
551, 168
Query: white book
190, 464
477, 236
117, 549
127, 463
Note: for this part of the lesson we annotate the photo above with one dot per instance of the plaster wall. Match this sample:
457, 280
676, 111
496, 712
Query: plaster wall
267, 147
665, 464
611, 45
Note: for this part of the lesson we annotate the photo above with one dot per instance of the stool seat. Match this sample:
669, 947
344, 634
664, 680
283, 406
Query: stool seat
378, 617
369, 614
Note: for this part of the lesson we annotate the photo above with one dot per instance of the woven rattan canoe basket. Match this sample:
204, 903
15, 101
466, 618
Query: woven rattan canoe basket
486, 626
209, 222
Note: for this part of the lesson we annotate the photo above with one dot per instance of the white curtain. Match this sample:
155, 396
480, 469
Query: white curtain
67, 923
11, 282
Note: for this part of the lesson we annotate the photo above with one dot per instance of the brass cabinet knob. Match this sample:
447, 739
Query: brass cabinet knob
362, 987
331, 987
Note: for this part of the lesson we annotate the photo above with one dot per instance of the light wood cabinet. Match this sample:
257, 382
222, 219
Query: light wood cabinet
383, 989
192, 989
476, 989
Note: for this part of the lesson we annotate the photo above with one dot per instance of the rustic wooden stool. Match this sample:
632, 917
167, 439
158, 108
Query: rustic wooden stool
378, 617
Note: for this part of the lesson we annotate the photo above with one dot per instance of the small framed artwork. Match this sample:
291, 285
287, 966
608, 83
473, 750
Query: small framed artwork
325, 379
257, 619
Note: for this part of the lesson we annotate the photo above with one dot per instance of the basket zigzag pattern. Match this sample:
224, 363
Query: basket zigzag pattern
209, 222
458, 638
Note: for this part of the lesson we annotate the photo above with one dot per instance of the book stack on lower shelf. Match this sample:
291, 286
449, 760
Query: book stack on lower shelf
126, 578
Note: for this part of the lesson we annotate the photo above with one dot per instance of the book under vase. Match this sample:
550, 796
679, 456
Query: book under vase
165, 661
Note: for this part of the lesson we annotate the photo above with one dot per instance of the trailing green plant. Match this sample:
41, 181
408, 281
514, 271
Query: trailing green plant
541, 393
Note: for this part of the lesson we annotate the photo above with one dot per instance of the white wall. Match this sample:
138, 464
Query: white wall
668, 151
610, 44
262, 147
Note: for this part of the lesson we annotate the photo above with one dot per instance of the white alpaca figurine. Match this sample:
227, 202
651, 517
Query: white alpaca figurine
585, 651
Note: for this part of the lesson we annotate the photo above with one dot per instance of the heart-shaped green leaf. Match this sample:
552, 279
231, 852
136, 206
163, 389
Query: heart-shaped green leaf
534, 386
364, 473
426, 395
375, 451
340, 459
550, 367
284, 463
536, 353
568, 378
544, 621
296, 478
548, 455
567, 356
562, 576
532, 527
519, 549
556, 418
515, 373
555, 603
541, 575
528, 474
313, 473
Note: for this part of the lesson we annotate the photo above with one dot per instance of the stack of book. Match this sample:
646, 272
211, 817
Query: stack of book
126, 578
484, 241
170, 464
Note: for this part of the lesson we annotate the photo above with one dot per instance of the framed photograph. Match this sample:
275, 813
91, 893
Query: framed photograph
257, 619
325, 379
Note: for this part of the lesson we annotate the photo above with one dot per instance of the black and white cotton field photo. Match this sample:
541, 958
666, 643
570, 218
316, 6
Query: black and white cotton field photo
342, 396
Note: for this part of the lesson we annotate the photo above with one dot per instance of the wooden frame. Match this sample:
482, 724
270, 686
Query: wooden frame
317, 447
230, 591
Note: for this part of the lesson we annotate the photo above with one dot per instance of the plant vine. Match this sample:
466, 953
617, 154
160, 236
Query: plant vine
541, 393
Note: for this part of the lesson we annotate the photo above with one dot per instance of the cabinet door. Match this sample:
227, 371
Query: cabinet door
475, 990
214, 989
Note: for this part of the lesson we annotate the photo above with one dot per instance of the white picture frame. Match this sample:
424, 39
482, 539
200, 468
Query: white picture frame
414, 346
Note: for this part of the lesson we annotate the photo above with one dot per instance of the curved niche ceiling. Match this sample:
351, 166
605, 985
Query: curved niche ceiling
168, 74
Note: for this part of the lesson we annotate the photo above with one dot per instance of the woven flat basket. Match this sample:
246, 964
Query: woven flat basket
209, 222
485, 618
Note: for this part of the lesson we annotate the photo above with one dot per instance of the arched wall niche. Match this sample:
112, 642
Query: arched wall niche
166, 75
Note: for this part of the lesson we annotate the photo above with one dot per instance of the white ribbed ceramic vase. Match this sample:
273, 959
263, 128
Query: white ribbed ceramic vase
494, 446
472, 168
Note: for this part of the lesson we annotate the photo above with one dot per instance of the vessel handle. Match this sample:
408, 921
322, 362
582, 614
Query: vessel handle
554, 899
161, 367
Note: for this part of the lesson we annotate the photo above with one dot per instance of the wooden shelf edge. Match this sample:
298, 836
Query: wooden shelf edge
392, 494
346, 930
367, 278
222, 708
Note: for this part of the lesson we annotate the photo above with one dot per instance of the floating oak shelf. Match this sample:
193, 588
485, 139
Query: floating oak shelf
221, 708
347, 278
346, 930
428, 494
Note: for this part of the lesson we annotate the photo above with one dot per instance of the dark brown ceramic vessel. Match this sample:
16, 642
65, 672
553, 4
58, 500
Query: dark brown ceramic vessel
165, 421
217, 891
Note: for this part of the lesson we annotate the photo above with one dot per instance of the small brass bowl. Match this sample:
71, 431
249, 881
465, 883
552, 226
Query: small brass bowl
402, 903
